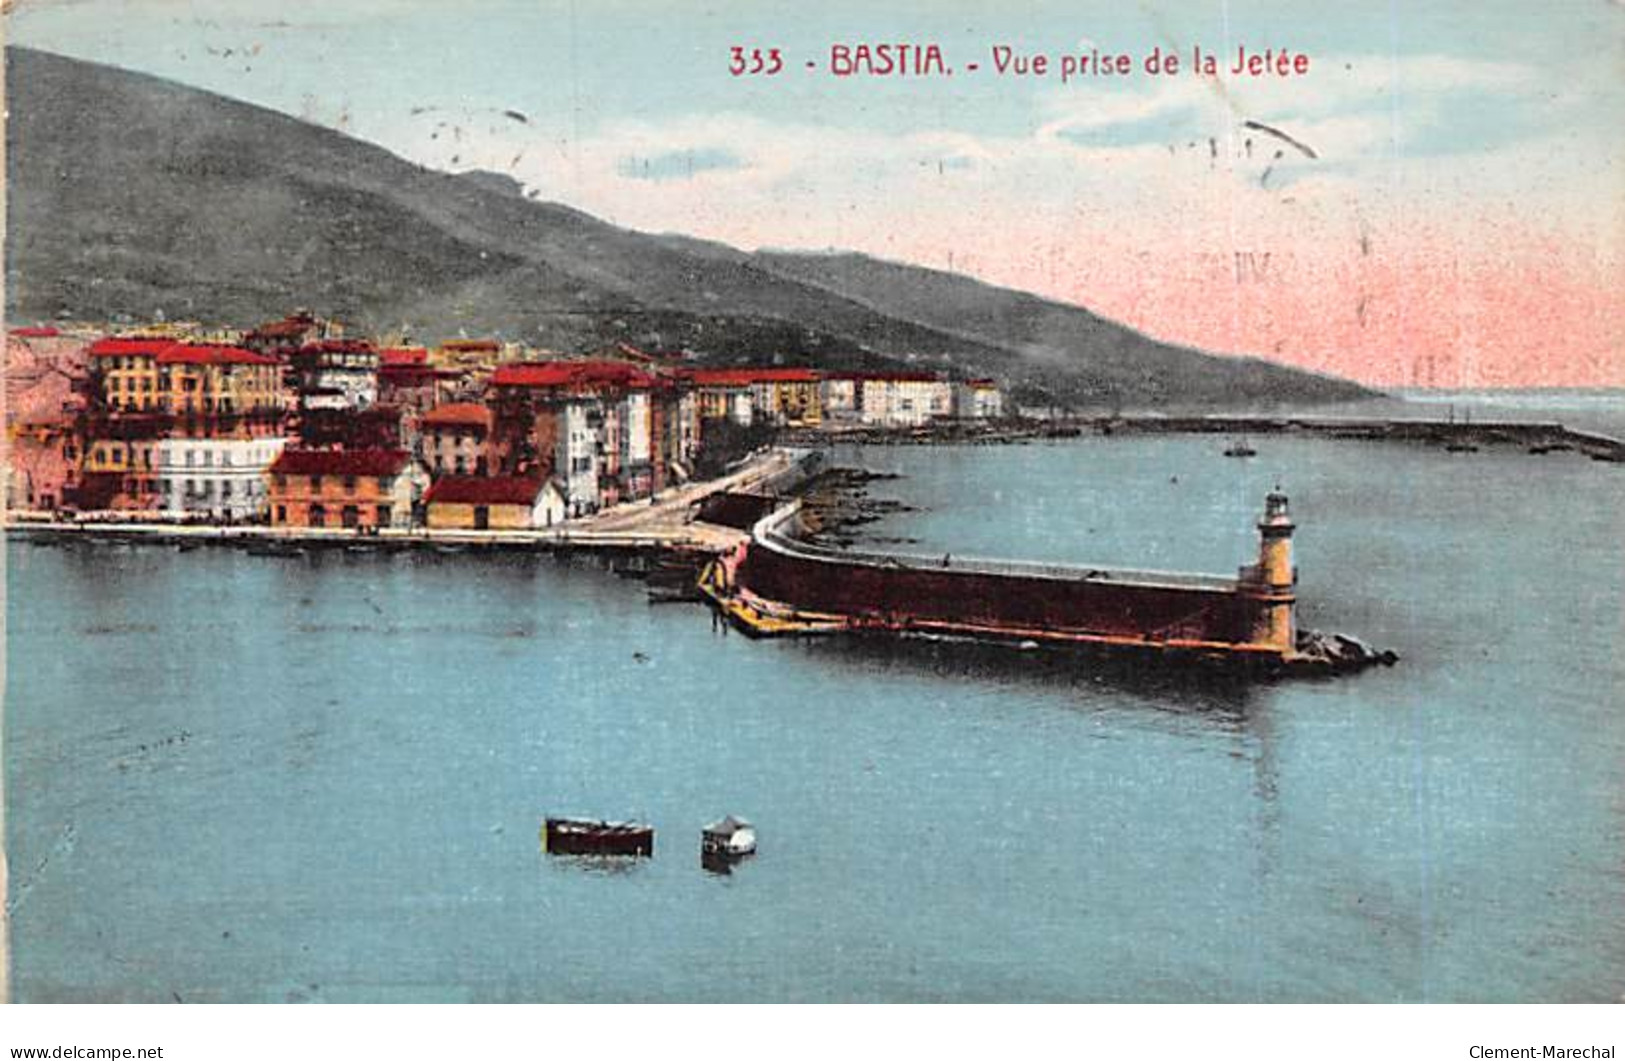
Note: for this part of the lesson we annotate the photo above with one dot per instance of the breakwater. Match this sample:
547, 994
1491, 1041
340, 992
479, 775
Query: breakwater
776, 583
1538, 437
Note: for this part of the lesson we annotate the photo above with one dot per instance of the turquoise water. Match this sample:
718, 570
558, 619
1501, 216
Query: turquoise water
251, 778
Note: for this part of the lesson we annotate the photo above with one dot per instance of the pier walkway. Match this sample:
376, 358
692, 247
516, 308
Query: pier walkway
666, 523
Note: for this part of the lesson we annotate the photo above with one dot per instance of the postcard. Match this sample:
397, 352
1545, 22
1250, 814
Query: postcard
946, 502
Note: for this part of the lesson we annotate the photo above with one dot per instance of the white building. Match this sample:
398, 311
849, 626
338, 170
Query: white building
840, 398
903, 400
978, 399
336, 374
576, 454
215, 478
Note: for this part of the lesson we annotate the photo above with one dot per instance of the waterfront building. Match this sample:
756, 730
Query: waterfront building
343, 488
459, 502
687, 430
978, 399
45, 397
723, 394
608, 430
788, 397
455, 439
216, 478
902, 399
839, 397
42, 463
575, 445
120, 465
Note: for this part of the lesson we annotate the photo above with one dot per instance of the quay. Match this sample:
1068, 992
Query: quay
776, 584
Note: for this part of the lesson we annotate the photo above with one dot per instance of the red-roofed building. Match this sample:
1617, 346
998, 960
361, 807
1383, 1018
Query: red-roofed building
466, 502
281, 338
415, 388
577, 377
206, 383
344, 488
403, 355
124, 373
789, 397
41, 332
456, 439
887, 399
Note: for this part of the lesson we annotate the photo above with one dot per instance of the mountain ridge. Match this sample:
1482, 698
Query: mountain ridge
131, 195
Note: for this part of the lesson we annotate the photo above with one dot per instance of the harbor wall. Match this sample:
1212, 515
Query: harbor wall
895, 592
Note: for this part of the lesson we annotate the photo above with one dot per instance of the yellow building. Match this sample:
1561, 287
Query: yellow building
219, 380
474, 502
125, 372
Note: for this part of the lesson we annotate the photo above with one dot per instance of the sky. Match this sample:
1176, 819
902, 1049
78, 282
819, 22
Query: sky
1438, 201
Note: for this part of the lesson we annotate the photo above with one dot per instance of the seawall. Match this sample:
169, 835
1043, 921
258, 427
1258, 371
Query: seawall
778, 584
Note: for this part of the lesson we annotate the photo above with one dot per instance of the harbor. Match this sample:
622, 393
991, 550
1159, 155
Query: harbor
302, 754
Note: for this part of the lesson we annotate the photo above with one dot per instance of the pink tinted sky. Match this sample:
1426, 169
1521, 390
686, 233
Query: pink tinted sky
1460, 224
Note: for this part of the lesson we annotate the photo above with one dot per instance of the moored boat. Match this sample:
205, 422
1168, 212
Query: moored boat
729, 838
581, 836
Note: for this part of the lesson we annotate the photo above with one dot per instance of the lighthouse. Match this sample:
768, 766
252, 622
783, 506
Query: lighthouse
1274, 579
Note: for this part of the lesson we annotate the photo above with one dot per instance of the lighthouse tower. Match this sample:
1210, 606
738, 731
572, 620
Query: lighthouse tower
1275, 580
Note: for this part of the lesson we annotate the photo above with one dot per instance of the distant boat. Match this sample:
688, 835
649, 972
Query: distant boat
1240, 448
729, 838
580, 836
1461, 447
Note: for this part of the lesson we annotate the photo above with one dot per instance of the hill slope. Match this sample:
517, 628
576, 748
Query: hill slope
131, 195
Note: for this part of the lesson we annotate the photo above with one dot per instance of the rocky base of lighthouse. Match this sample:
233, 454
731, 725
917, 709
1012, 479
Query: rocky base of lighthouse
1337, 653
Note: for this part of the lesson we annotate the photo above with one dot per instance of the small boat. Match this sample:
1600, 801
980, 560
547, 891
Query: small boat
729, 838
1461, 447
1240, 449
581, 836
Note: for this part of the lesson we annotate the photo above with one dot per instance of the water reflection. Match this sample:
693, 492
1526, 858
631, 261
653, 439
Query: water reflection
1223, 694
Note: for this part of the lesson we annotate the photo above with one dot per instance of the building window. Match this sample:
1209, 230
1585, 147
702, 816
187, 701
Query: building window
315, 482
350, 516
318, 516
349, 484
385, 514
282, 513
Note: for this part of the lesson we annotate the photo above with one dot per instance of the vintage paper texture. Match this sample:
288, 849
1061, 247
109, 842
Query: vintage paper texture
318, 777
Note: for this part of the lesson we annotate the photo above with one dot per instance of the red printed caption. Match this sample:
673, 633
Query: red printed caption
926, 60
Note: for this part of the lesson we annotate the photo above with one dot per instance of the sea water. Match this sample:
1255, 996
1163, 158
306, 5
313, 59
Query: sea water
237, 777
